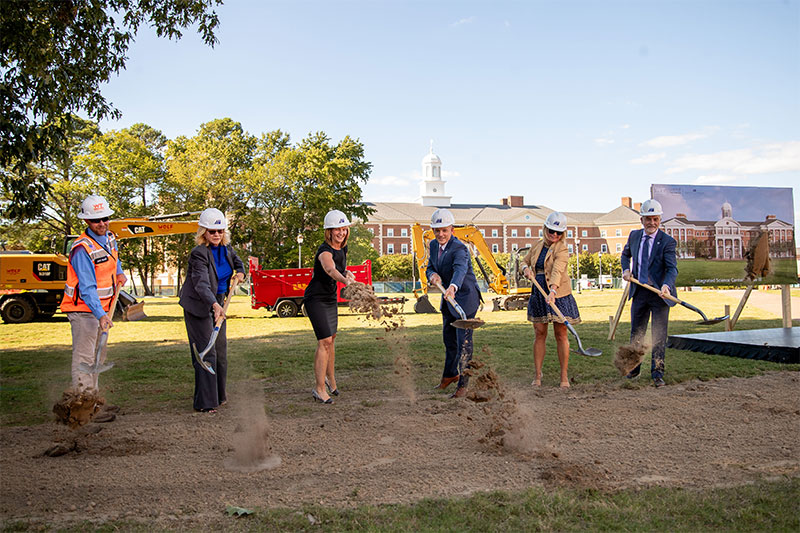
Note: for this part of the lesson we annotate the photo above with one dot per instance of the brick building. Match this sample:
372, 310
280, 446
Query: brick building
508, 225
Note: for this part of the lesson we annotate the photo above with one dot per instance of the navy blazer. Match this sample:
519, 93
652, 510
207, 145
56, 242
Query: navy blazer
199, 291
663, 267
454, 266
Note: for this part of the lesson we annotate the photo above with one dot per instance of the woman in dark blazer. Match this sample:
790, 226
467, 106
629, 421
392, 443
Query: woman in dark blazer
212, 264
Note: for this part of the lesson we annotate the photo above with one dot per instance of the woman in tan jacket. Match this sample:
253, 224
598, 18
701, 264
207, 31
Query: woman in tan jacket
547, 263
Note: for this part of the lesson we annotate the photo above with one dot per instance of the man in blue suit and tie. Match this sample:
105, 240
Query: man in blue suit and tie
450, 265
649, 256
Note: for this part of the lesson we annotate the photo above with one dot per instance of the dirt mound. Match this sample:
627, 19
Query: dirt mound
77, 408
629, 356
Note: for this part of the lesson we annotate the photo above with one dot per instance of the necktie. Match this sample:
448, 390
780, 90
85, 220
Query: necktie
644, 277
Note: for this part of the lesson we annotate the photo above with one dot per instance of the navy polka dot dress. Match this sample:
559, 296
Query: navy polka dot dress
538, 310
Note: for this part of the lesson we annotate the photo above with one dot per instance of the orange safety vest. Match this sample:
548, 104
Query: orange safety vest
105, 270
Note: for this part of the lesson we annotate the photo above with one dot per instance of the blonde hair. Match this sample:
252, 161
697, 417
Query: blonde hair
200, 237
329, 236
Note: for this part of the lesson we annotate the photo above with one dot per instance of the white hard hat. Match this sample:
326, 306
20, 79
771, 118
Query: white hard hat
212, 218
442, 218
335, 219
556, 221
94, 207
651, 208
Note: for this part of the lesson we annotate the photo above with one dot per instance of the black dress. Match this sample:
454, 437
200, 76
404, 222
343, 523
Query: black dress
320, 299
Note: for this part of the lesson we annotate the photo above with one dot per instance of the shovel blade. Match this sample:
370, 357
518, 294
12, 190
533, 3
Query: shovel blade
712, 321
95, 369
589, 352
468, 323
200, 361
134, 312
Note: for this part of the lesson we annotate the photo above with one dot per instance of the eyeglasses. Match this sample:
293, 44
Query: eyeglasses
98, 220
215, 231
554, 232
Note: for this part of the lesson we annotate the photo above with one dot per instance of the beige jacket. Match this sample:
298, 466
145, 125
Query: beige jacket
555, 266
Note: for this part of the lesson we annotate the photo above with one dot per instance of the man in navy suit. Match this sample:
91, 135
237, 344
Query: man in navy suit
649, 256
450, 265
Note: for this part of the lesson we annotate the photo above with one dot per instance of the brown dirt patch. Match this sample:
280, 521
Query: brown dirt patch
77, 408
629, 356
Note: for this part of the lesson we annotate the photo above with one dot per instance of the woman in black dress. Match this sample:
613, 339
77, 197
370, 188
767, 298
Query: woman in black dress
320, 301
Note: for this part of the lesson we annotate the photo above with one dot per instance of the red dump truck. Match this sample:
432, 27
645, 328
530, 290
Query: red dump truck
281, 290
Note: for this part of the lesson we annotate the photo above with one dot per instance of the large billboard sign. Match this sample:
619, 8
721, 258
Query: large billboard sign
730, 235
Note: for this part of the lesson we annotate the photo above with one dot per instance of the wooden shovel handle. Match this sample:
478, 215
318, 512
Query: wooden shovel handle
554, 306
234, 284
653, 289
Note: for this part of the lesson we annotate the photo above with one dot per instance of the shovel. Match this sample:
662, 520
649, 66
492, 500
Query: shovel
705, 322
464, 322
199, 356
97, 367
590, 352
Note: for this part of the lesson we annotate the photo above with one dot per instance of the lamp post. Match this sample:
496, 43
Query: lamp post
578, 260
299, 250
600, 266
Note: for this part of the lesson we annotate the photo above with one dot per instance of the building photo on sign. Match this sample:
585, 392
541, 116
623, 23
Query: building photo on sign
730, 235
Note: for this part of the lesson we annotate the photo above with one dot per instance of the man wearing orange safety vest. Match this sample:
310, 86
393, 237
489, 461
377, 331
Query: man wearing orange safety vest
93, 273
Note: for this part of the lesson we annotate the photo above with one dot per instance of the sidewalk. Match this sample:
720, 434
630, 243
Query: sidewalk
769, 302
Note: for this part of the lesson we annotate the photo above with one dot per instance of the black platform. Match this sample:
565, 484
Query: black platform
779, 345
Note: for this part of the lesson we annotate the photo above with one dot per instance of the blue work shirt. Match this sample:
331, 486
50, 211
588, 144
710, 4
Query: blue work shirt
87, 279
224, 269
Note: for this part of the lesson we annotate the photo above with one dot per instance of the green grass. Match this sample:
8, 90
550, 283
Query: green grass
153, 369
784, 271
764, 506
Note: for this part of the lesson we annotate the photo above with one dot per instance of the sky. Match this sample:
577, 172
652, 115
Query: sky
571, 104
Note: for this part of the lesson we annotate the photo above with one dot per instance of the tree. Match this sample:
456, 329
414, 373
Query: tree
54, 56
359, 245
393, 267
127, 167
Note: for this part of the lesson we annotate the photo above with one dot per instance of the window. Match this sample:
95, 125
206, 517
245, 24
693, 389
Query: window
514, 247
483, 232
603, 233
570, 248
584, 233
404, 233
618, 233
390, 232
390, 248
494, 233
403, 248
619, 247
513, 233
527, 232
603, 248
585, 247
495, 248
569, 234
540, 233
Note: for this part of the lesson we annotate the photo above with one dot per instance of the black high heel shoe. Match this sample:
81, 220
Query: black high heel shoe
317, 397
335, 392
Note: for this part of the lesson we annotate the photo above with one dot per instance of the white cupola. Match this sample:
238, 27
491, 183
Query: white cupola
432, 187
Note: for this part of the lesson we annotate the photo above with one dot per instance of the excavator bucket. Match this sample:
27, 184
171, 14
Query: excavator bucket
128, 308
423, 305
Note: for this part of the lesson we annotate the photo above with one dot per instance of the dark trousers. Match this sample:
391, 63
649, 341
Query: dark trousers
645, 304
209, 389
457, 347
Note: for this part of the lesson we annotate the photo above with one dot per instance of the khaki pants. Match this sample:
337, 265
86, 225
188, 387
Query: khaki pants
85, 335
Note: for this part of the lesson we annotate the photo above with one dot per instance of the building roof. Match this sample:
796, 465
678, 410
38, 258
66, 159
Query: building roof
620, 215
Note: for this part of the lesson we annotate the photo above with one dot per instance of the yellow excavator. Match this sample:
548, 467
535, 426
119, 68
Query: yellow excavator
32, 284
512, 288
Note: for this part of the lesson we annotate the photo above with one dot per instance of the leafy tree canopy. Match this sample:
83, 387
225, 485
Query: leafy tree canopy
54, 55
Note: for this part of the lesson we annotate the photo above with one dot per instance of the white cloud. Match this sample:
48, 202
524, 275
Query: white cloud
649, 158
466, 20
625, 126
673, 140
775, 157
715, 179
450, 173
602, 141
390, 181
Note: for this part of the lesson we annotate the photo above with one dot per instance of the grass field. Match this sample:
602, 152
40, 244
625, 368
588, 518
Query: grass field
153, 373
699, 272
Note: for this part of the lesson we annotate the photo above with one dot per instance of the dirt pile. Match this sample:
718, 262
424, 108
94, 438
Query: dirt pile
511, 428
77, 408
252, 451
629, 356
363, 300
